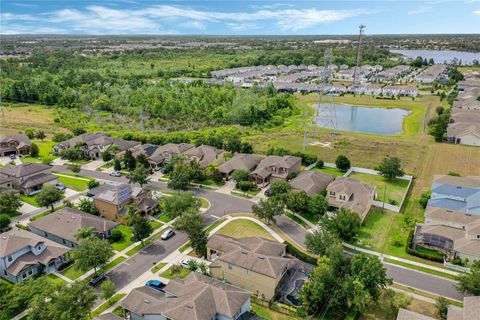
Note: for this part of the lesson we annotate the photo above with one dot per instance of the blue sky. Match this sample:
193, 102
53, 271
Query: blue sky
237, 17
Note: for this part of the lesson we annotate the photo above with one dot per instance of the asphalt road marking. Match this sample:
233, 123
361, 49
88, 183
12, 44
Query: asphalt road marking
214, 216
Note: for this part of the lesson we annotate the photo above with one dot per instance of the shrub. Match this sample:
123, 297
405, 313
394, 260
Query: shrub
245, 185
343, 163
92, 184
75, 168
424, 199
300, 254
413, 252
320, 164
116, 235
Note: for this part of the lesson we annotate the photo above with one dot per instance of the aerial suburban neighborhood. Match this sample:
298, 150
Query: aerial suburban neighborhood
250, 160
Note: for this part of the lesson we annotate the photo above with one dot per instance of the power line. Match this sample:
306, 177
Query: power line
357, 70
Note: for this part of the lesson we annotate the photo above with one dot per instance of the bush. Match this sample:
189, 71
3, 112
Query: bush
116, 235
75, 168
320, 164
343, 163
92, 184
59, 137
245, 185
424, 199
300, 254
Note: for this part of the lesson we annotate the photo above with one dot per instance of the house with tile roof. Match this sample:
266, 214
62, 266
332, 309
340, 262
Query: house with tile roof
312, 182
17, 144
470, 311
256, 264
165, 153
28, 178
352, 195
197, 297
62, 225
274, 168
24, 254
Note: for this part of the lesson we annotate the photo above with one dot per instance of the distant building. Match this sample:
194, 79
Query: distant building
24, 254
17, 144
146, 149
460, 194
61, 226
28, 178
471, 307
436, 72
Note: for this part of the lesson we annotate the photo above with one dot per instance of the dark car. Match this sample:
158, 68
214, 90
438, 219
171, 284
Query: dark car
97, 280
12, 156
168, 234
268, 192
61, 186
156, 284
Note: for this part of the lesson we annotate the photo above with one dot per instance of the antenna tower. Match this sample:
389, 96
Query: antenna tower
359, 54
327, 115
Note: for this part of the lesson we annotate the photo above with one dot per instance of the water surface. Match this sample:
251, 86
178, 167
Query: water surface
440, 56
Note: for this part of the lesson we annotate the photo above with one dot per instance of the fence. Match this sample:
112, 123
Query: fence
455, 267
276, 306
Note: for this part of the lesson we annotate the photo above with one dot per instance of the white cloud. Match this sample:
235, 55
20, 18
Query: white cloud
421, 10
97, 19
477, 12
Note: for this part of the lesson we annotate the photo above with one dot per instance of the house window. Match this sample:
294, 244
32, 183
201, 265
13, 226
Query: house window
45, 235
229, 266
342, 197
10, 258
332, 193
247, 271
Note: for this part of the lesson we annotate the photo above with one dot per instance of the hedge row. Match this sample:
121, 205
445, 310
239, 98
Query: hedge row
291, 249
413, 252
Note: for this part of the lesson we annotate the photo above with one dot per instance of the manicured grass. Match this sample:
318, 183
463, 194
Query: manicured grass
243, 228
183, 272
110, 265
158, 267
204, 203
269, 314
107, 304
396, 188
184, 247
426, 270
431, 252
252, 192
72, 273
164, 218
29, 199
155, 224
56, 280
126, 240
329, 170
214, 225
210, 182
41, 215
297, 220
240, 194
74, 183
44, 151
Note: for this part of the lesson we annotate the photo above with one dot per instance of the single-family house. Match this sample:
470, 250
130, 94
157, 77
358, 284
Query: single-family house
24, 254
435, 72
205, 155
312, 182
240, 161
17, 144
255, 264
469, 311
164, 154
460, 194
275, 168
351, 194
146, 149
61, 226
28, 178
402, 91
197, 297
112, 201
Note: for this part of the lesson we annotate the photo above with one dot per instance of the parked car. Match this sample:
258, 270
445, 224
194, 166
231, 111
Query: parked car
12, 156
184, 263
97, 280
156, 284
116, 174
268, 192
168, 234
61, 186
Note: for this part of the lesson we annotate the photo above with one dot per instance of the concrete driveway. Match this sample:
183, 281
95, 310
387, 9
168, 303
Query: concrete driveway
93, 165
27, 208
6, 160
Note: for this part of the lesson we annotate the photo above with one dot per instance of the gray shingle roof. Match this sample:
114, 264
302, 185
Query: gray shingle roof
24, 169
240, 162
311, 182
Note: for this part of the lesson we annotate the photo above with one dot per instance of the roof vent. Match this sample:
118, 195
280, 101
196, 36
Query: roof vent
261, 258
146, 301
244, 252
449, 211
189, 306
73, 217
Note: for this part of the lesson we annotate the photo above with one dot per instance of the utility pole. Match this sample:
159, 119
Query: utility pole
357, 70
327, 114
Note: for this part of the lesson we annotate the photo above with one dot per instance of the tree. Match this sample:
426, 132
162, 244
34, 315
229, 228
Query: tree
48, 196
179, 178
139, 175
246, 148
431, 61
344, 223
268, 209
179, 203
318, 205
92, 253
370, 271
442, 307
107, 156
320, 241
75, 168
92, 184
84, 233
240, 175
469, 283
342, 163
297, 201
4, 221
391, 168
191, 222
394, 301
198, 241
117, 165
142, 228
9, 203
34, 151
212, 172
143, 161
40, 135
108, 289
129, 160
30, 133
279, 188
234, 144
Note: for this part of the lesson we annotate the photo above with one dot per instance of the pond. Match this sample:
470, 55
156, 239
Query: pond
365, 119
440, 56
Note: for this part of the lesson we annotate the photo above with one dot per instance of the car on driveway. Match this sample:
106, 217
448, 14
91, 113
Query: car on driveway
12, 156
268, 192
184, 263
116, 174
168, 234
97, 280
156, 284
61, 186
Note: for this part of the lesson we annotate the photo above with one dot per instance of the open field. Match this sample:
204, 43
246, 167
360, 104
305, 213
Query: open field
243, 228
395, 189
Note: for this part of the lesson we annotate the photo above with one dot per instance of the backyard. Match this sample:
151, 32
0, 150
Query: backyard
396, 188
243, 228
329, 170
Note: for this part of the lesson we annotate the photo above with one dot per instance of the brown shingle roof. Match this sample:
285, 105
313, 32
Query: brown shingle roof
170, 148
276, 161
404, 314
311, 182
240, 162
362, 194
65, 223
22, 139
24, 169
254, 244
206, 154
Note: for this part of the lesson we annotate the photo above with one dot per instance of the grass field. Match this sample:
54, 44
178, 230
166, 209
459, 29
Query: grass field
126, 240
74, 183
164, 218
158, 267
29, 199
44, 150
396, 188
72, 273
107, 304
243, 228
328, 170
168, 274
155, 224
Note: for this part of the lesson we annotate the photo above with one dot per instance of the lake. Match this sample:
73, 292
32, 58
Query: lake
440, 56
366, 119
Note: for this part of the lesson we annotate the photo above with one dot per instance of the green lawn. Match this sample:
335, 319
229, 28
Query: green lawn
41, 215
243, 228
158, 267
333, 171
168, 274
107, 304
44, 151
29, 199
396, 188
269, 314
252, 192
56, 280
204, 203
297, 219
431, 252
155, 224
184, 247
74, 183
210, 182
126, 240
164, 218
72, 273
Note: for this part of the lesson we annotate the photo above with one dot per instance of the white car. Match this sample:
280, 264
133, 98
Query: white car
184, 263
168, 234
116, 174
